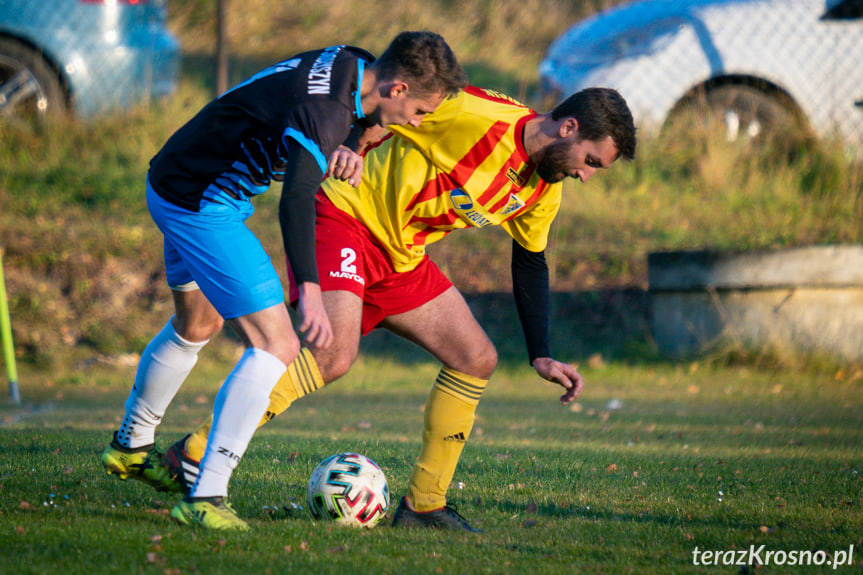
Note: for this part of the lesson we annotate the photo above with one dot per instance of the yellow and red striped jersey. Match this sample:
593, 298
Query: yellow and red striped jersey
464, 166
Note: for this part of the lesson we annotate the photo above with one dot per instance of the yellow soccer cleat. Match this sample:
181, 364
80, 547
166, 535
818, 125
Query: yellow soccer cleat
144, 464
208, 512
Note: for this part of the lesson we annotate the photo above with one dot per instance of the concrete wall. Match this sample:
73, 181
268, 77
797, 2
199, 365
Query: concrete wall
803, 299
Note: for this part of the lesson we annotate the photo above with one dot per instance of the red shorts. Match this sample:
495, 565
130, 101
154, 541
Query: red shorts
350, 259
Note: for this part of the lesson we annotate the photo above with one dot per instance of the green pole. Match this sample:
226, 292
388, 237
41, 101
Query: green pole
6, 337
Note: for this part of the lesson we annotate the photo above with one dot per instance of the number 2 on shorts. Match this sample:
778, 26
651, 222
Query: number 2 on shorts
349, 256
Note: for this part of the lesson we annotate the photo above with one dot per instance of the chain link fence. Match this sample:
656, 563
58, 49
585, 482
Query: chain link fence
83, 56
756, 65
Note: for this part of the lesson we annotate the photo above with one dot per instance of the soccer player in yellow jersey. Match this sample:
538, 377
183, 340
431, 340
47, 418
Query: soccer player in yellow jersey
480, 159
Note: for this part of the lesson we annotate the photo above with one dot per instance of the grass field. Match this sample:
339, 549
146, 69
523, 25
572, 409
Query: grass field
653, 462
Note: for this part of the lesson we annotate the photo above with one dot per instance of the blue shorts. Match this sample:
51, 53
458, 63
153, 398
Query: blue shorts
214, 249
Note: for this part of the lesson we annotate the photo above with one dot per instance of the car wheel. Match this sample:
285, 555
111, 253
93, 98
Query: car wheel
29, 87
740, 114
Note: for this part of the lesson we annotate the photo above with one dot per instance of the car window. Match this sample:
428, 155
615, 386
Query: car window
847, 10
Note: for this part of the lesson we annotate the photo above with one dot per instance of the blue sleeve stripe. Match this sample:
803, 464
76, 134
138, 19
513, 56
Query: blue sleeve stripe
361, 67
250, 158
309, 145
274, 69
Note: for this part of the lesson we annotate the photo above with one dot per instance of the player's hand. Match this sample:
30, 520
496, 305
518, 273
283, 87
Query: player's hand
562, 374
346, 165
316, 329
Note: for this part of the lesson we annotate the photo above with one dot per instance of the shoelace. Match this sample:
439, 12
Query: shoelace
454, 510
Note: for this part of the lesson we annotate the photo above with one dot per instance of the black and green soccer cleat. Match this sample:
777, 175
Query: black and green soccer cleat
182, 468
144, 464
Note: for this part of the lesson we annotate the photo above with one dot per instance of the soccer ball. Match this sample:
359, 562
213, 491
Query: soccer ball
350, 489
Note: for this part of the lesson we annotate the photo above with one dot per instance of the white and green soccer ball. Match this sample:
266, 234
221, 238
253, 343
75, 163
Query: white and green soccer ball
349, 489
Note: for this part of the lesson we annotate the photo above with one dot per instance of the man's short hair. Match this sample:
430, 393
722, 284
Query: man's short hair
425, 61
600, 113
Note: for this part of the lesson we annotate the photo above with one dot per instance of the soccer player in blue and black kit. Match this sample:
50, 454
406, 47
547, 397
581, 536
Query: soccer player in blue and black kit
282, 125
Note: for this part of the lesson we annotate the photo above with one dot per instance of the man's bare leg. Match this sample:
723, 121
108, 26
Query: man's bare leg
446, 328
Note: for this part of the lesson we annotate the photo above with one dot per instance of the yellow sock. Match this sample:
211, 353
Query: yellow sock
449, 417
301, 378
196, 444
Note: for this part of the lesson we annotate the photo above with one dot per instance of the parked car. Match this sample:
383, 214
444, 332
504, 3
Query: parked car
83, 56
760, 67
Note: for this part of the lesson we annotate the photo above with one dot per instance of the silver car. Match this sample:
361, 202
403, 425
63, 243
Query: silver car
759, 66
83, 56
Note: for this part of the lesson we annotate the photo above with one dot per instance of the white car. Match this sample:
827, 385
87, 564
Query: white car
758, 65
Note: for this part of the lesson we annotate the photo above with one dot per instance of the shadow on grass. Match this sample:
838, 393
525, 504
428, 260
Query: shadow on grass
509, 507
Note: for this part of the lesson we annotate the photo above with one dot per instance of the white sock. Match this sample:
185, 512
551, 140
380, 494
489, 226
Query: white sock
163, 368
240, 404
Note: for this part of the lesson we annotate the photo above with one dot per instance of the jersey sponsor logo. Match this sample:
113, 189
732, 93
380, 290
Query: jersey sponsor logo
460, 199
477, 218
322, 71
513, 205
464, 205
515, 177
